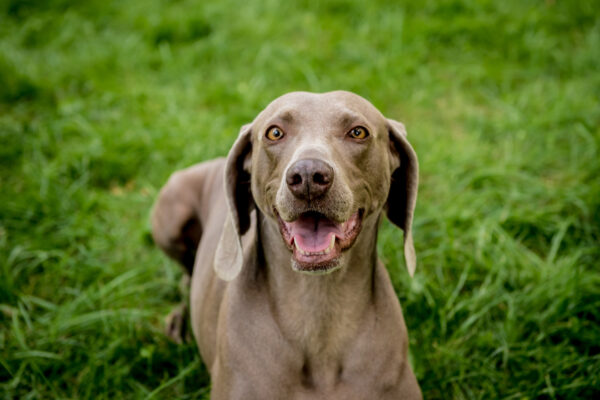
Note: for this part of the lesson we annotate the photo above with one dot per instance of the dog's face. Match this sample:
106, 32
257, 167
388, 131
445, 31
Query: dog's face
322, 166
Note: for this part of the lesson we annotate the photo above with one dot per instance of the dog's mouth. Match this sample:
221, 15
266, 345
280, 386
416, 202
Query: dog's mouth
316, 241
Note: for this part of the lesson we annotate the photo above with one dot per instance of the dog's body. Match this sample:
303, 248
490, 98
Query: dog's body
288, 299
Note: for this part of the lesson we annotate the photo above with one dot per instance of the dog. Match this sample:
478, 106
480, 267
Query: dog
288, 299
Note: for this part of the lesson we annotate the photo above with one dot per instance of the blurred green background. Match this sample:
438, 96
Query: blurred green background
101, 100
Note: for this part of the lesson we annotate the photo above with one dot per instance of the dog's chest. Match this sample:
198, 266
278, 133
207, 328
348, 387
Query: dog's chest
293, 376
311, 359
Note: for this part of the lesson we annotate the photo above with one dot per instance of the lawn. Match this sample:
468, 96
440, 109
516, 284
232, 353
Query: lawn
101, 100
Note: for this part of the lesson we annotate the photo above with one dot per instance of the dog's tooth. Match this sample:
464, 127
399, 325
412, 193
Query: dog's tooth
299, 248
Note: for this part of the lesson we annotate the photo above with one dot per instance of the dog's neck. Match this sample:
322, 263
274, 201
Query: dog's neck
319, 313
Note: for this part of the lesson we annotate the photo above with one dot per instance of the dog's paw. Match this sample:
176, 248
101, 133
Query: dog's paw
176, 324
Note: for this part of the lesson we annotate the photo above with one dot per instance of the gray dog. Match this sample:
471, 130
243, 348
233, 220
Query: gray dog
288, 299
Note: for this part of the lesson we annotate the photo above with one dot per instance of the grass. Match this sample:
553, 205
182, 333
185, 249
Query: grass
100, 101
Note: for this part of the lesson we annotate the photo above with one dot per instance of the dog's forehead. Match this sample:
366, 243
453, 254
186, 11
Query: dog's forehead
330, 107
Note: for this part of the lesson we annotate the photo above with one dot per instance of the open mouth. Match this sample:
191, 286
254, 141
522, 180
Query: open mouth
316, 241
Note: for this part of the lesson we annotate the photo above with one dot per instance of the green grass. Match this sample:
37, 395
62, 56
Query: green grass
100, 101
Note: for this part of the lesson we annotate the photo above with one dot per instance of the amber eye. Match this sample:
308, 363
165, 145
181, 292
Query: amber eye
358, 132
274, 133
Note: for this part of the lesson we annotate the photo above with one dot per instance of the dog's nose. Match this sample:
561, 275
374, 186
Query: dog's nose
309, 179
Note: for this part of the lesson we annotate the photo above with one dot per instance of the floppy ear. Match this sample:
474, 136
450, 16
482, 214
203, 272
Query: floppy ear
228, 256
403, 191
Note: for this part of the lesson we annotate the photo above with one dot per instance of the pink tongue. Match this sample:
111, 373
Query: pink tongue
313, 233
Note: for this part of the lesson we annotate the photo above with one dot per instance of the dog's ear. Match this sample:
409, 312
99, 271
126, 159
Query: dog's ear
403, 191
228, 256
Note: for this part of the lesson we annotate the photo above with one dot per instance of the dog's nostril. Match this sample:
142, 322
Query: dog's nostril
296, 179
320, 179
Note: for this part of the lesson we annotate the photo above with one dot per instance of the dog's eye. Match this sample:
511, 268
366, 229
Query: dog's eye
274, 133
358, 132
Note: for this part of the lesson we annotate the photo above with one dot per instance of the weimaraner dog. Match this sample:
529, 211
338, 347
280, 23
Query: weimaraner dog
288, 299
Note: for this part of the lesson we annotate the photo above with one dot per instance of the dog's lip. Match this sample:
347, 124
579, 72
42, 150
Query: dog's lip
318, 249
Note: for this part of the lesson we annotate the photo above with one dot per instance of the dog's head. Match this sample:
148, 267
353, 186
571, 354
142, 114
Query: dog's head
321, 166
